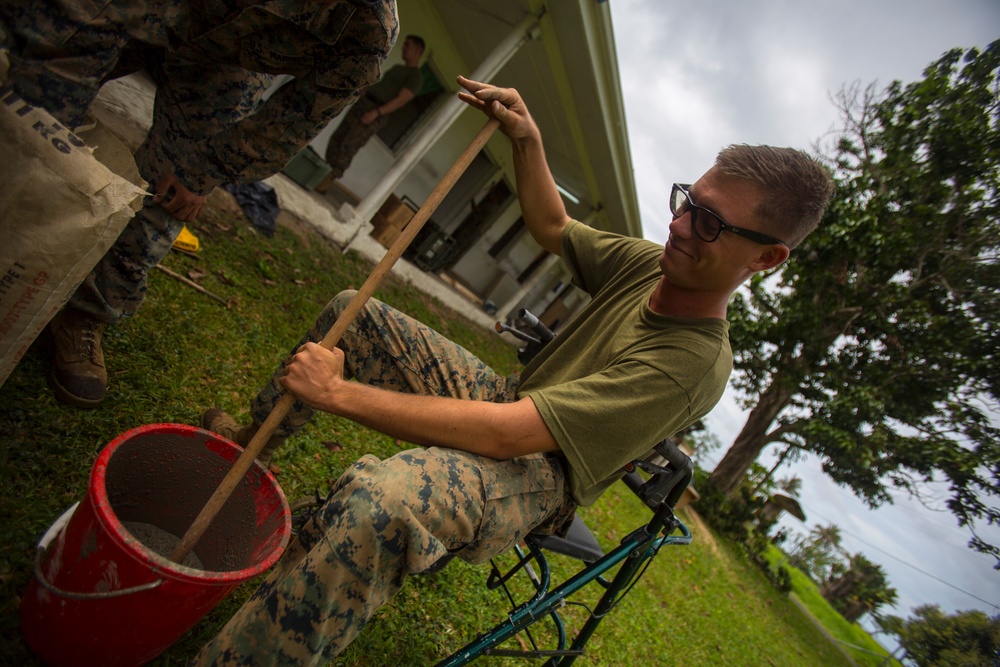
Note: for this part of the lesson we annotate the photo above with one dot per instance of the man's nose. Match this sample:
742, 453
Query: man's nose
682, 225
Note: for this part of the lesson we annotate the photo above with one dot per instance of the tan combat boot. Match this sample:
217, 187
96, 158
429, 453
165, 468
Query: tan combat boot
78, 376
220, 422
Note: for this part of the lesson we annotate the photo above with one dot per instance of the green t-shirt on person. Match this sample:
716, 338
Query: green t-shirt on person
393, 81
619, 377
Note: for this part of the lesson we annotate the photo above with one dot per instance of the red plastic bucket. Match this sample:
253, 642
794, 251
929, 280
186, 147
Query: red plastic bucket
102, 595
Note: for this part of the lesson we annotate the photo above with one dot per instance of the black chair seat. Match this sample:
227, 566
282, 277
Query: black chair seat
579, 542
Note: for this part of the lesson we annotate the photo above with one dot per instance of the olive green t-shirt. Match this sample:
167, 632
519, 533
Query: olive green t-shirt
619, 377
393, 81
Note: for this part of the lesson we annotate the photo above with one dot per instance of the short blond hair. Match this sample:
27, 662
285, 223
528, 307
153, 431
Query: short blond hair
795, 187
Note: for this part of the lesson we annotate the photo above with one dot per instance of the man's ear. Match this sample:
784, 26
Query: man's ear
772, 256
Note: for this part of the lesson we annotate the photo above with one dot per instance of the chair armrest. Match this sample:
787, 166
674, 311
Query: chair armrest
666, 484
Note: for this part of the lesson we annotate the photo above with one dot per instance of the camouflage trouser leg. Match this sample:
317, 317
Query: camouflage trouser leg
200, 100
117, 285
388, 349
350, 137
63, 50
383, 521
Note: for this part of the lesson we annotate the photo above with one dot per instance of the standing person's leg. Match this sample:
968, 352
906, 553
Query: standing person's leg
189, 99
383, 347
61, 52
349, 137
383, 521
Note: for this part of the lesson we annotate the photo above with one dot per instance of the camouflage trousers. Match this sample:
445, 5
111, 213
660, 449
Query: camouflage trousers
350, 137
116, 286
387, 519
92, 43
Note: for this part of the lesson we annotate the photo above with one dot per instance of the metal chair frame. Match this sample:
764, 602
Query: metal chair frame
631, 558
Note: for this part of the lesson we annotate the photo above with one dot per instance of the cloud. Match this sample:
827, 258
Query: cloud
699, 76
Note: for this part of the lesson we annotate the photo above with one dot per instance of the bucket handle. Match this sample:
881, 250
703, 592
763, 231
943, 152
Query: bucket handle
43, 545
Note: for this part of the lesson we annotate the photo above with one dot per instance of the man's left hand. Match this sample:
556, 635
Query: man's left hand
504, 104
183, 204
368, 117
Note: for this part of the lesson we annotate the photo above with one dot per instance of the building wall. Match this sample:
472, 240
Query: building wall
487, 277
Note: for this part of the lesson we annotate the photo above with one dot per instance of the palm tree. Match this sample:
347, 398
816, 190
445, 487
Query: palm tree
790, 485
817, 553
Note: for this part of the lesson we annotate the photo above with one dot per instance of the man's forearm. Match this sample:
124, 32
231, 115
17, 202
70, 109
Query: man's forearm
496, 430
395, 103
541, 205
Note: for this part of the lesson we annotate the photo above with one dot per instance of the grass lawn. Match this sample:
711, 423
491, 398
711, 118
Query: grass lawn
184, 352
855, 639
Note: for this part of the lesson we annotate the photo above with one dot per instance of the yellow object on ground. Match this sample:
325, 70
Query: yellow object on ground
187, 241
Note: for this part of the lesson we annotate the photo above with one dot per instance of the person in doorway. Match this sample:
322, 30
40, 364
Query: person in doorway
370, 114
212, 63
501, 457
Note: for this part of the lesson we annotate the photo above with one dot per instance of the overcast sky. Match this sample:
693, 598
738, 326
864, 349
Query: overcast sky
697, 76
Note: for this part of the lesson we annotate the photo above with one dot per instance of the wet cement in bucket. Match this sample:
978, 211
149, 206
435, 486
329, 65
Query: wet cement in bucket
156, 484
160, 541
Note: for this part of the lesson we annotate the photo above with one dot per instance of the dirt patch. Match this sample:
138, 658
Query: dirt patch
698, 525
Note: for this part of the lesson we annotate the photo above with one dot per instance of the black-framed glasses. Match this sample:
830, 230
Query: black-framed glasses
709, 226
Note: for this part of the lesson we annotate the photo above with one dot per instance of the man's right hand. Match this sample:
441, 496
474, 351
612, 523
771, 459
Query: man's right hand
314, 374
182, 204
504, 104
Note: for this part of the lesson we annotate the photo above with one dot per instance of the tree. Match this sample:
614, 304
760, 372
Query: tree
790, 485
789, 453
816, 553
702, 442
934, 639
857, 587
875, 346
